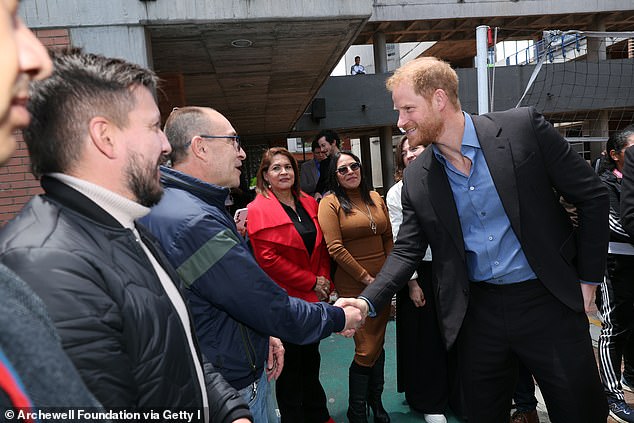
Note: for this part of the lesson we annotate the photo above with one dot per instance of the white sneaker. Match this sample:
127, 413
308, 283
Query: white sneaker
435, 418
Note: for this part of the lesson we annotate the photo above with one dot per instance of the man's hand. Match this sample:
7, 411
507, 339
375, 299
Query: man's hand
357, 303
275, 362
415, 293
242, 421
356, 311
588, 292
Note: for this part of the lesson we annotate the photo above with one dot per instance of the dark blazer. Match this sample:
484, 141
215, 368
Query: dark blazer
527, 158
308, 176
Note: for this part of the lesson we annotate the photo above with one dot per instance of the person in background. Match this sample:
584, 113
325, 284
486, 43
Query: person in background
524, 398
617, 289
358, 234
330, 143
35, 372
95, 142
357, 68
289, 246
507, 260
238, 310
311, 170
421, 358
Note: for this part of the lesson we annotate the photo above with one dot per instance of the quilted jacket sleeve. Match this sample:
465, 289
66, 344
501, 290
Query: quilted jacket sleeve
225, 403
87, 319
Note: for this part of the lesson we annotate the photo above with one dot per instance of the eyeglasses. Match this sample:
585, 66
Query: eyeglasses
342, 170
412, 150
235, 139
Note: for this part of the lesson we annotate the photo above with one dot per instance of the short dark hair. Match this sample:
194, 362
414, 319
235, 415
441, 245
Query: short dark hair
314, 146
331, 137
82, 86
342, 196
617, 142
267, 158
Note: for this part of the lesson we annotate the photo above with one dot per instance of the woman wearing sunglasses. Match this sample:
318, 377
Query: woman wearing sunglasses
359, 238
289, 245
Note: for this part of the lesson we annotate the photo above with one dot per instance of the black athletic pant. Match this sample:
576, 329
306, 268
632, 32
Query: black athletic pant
617, 309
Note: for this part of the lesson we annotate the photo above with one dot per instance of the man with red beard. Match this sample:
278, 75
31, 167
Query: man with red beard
511, 277
96, 143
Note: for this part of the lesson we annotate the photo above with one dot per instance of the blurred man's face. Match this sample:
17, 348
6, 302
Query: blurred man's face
22, 59
319, 155
325, 146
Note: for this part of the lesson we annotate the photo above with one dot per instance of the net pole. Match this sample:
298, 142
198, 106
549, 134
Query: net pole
481, 66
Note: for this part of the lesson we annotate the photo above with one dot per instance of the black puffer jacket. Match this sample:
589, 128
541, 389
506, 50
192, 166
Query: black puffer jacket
116, 322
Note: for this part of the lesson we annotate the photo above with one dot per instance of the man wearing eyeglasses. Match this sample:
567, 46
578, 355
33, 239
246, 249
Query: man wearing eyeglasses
95, 142
236, 306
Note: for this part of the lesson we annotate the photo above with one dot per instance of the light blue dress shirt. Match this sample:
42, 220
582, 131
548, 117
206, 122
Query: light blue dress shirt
493, 252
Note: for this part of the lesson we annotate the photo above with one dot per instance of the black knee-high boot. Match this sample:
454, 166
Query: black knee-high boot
375, 390
358, 393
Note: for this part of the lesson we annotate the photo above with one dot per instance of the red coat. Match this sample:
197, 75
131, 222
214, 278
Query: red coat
280, 250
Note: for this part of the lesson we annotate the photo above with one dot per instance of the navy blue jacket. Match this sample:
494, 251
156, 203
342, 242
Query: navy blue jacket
236, 306
116, 323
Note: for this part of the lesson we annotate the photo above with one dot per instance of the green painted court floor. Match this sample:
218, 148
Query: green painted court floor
336, 355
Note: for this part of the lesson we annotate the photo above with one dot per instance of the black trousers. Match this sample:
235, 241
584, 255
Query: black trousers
616, 340
421, 357
299, 393
525, 323
524, 396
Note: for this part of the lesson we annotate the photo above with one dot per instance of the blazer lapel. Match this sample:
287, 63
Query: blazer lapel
441, 198
499, 157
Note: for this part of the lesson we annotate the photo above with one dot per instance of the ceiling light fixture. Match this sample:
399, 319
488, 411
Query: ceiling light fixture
241, 43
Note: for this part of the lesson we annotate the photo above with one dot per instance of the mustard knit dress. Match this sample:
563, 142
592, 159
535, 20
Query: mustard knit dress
358, 251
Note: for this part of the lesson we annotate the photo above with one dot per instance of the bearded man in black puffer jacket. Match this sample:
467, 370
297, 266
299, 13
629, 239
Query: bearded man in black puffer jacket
96, 143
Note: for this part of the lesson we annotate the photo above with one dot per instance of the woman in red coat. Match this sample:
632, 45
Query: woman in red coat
289, 245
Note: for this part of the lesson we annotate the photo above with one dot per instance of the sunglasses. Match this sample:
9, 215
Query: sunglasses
342, 170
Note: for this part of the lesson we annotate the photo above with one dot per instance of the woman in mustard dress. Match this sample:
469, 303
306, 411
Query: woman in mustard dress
358, 235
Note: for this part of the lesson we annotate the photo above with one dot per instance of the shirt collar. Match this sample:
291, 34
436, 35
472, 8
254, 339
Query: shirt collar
469, 140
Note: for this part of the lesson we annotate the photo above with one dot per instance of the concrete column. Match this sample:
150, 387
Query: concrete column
128, 42
366, 157
596, 46
380, 53
600, 126
387, 154
387, 158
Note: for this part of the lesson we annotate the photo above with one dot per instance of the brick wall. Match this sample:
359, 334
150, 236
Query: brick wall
17, 185
54, 38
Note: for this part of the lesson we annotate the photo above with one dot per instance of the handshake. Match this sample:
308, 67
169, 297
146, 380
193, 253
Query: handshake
356, 310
